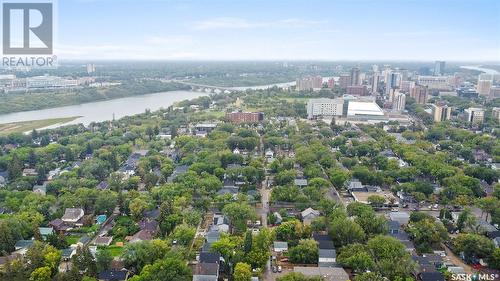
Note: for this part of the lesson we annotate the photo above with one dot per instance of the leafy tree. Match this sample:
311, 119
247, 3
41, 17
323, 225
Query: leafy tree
184, 234
495, 259
137, 255
376, 200
427, 234
488, 205
292, 231
473, 246
169, 269
247, 246
239, 213
369, 276
466, 220
357, 257
344, 231
305, 252
103, 260
371, 223
84, 261
41, 274
242, 272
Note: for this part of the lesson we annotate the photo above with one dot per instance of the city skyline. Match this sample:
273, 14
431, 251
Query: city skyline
452, 30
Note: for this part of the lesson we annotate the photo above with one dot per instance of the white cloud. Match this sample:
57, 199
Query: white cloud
241, 23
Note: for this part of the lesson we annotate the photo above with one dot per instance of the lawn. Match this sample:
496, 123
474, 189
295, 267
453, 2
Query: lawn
115, 250
72, 239
26, 126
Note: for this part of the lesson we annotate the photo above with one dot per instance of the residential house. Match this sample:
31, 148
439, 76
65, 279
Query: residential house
59, 225
221, 222
308, 215
213, 235
280, 247
113, 275
206, 272
401, 217
103, 185
30, 173
300, 183
278, 217
149, 230
355, 185
103, 241
40, 189
45, 231
22, 246
73, 216
178, 170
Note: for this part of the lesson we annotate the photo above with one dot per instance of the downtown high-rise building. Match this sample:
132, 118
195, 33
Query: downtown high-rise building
90, 68
474, 115
484, 84
393, 81
344, 81
355, 76
309, 83
439, 68
441, 112
374, 82
398, 101
419, 93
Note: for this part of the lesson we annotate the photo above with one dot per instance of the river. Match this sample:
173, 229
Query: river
103, 110
99, 111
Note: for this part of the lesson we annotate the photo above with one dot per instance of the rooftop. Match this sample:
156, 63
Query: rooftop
364, 108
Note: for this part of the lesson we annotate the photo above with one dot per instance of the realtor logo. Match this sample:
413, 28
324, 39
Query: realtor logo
28, 34
27, 28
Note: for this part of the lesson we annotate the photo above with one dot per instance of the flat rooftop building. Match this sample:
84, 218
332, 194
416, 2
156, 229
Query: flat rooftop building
358, 108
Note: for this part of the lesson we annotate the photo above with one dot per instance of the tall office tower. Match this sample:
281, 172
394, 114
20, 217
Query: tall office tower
90, 68
374, 82
331, 83
484, 84
375, 68
404, 74
406, 86
355, 76
393, 82
494, 93
398, 102
474, 115
441, 112
439, 68
344, 81
496, 113
419, 93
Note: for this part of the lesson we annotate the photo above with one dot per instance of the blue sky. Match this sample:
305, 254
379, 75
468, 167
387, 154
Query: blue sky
464, 30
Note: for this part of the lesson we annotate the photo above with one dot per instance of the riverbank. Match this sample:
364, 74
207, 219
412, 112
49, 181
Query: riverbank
99, 111
26, 126
18, 102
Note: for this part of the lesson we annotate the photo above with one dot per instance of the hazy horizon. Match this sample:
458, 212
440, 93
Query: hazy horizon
224, 30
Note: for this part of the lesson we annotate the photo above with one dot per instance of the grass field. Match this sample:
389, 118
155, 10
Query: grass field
26, 126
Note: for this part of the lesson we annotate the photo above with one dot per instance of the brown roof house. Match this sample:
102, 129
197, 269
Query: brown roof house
149, 230
73, 216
